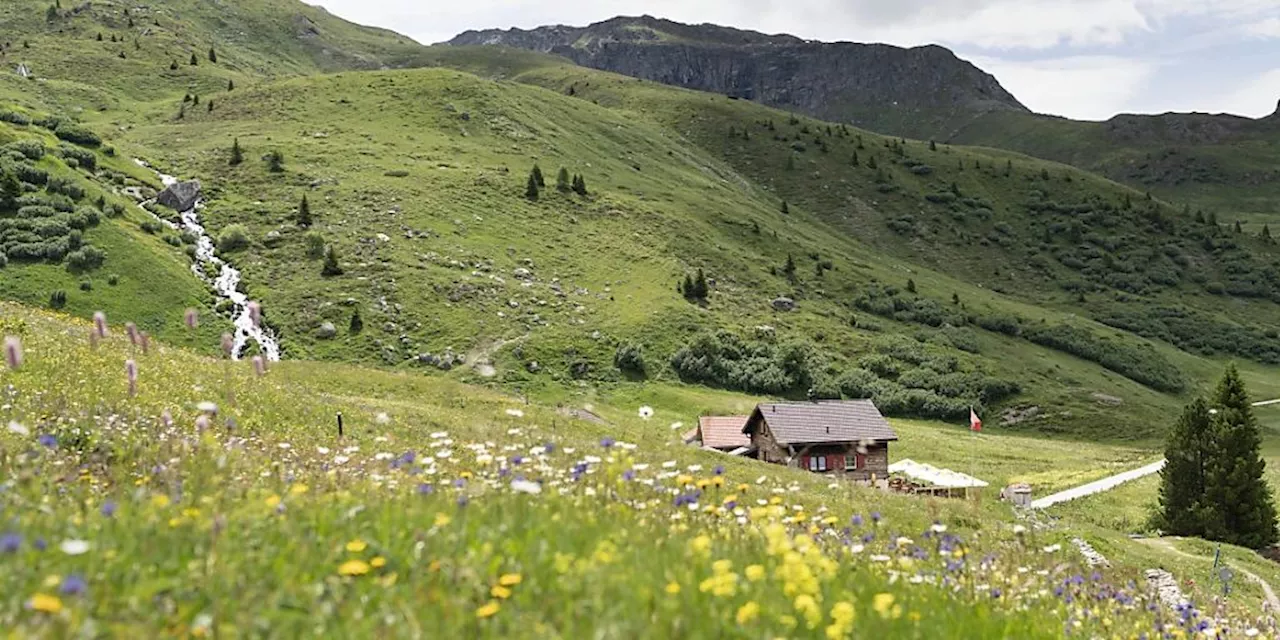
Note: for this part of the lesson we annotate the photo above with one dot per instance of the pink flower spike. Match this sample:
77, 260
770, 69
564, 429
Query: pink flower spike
227, 343
132, 330
259, 365
12, 352
255, 313
100, 323
202, 423
191, 318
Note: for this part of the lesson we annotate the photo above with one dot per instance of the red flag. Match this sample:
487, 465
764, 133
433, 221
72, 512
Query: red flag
975, 424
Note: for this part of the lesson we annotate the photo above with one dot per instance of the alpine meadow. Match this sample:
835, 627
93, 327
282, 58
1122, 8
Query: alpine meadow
311, 330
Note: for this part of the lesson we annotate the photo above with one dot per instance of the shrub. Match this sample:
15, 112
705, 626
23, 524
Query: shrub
86, 258
77, 135
87, 159
315, 245
30, 174
113, 279
233, 238
4, 260
13, 117
629, 358
66, 186
58, 299
1140, 363
726, 360
86, 285
31, 149
151, 226
49, 122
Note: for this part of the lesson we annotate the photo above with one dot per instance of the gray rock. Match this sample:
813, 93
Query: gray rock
180, 196
784, 304
326, 331
533, 367
522, 274
272, 238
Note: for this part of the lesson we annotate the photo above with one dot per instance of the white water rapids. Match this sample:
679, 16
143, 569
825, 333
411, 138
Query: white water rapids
224, 285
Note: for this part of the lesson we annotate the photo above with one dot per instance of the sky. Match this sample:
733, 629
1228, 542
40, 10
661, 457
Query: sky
1083, 59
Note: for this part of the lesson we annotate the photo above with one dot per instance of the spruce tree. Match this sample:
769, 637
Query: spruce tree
789, 269
194, 60
700, 289
331, 266
871, 163
231, 85
562, 181
1200, 217
1237, 486
304, 212
357, 323
237, 155
275, 162
173, 66
933, 146
855, 159
1188, 447
686, 287
1237, 227
786, 208
911, 285
1266, 233
579, 185
531, 188
537, 175
213, 55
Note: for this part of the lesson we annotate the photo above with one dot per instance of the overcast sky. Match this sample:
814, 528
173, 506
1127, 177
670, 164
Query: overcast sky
1086, 59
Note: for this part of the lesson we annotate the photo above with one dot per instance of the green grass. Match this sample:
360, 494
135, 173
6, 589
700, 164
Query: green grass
206, 509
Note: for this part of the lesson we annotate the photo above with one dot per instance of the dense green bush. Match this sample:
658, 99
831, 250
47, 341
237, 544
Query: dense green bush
725, 360
234, 238
77, 134
57, 299
151, 226
1196, 332
30, 149
1140, 363
86, 259
629, 358
315, 245
66, 186
87, 159
13, 117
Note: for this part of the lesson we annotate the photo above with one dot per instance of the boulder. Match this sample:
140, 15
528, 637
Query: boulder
784, 304
180, 196
326, 331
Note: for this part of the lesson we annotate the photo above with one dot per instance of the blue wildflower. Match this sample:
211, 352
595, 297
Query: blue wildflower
875, 516
425, 488
856, 520
48, 440
73, 585
607, 442
109, 508
719, 470
40, 544
10, 542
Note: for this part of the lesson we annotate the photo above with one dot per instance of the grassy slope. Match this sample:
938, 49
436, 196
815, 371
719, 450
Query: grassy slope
269, 485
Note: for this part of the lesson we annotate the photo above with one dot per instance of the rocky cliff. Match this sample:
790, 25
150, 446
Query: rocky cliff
920, 92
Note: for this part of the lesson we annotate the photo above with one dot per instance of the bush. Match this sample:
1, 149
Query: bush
49, 122
58, 299
87, 159
30, 149
4, 260
113, 279
151, 226
725, 360
13, 117
234, 238
629, 358
66, 186
86, 285
315, 245
30, 174
78, 135
1140, 363
86, 258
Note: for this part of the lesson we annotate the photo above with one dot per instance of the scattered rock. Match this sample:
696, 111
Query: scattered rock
522, 274
1110, 401
180, 196
1017, 415
24, 70
533, 367
272, 238
1166, 588
326, 331
784, 304
1090, 554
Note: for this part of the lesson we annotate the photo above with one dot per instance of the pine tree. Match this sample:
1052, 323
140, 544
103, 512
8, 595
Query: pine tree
955, 298
1213, 218
331, 266
537, 175
275, 162
173, 66
194, 60
1236, 482
700, 288
304, 213
213, 55
789, 269
871, 163
357, 323
99, 36
182, 111
1266, 233
1188, 447
562, 181
686, 287
531, 188
911, 285
209, 107
1200, 217
933, 146
786, 208
1237, 227
237, 155
195, 99
231, 85
1008, 168
579, 185
856, 162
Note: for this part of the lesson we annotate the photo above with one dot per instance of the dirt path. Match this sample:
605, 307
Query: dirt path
1166, 544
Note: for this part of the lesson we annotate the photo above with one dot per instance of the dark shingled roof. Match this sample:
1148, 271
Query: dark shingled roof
825, 421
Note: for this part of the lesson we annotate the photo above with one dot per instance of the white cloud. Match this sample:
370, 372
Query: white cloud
1269, 28
1083, 87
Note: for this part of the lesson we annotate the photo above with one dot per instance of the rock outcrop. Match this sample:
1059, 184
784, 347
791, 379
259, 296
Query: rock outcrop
180, 196
872, 85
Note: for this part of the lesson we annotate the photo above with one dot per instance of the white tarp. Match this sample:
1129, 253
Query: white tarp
945, 478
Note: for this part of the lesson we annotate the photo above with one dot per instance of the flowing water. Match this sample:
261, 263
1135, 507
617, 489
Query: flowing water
225, 283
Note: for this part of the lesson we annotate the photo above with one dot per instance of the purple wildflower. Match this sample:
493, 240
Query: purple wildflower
40, 544
131, 374
719, 470
259, 366
12, 352
228, 343
856, 520
131, 330
629, 475
109, 508
425, 489
47, 440
144, 340
550, 447
100, 324
10, 542
607, 442
875, 516
517, 460
191, 318
73, 585
462, 501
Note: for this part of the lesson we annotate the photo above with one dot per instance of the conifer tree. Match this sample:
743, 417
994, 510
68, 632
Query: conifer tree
786, 208
686, 287
1008, 168
331, 266
1237, 227
357, 323
531, 188
871, 163
1236, 482
579, 185
194, 60
700, 289
1188, 447
231, 85
173, 66
99, 36
789, 269
856, 162
911, 285
275, 162
237, 155
304, 212
1200, 217
209, 107
1266, 233
933, 146
537, 175
562, 181
213, 55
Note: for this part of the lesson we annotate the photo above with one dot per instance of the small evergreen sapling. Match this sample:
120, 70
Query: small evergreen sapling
562, 181
237, 154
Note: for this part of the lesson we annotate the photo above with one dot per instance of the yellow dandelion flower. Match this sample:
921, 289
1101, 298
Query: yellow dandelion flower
298, 489
443, 520
45, 603
843, 612
510, 579
160, 501
672, 588
684, 479
500, 592
718, 481
704, 483
731, 498
273, 500
700, 545
721, 567
806, 606
356, 546
488, 609
388, 580
755, 572
378, 562
353, 568
742, 488
748, 613
883, 605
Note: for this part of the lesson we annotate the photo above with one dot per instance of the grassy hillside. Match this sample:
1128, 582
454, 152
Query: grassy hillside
155, 517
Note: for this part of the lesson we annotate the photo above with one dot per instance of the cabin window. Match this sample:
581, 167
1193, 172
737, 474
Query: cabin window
851, 463
818, 463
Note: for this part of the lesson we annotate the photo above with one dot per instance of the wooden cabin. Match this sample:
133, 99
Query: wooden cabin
846, 438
